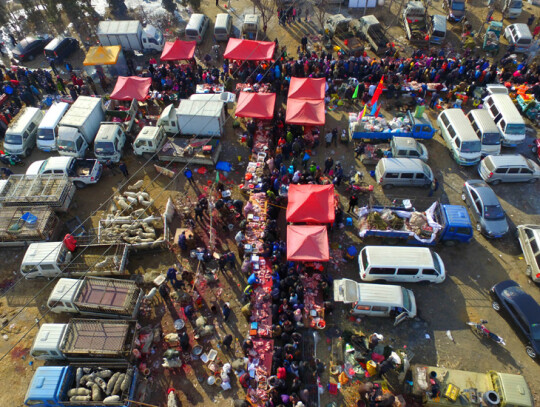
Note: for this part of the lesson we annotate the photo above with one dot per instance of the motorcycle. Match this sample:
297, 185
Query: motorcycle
480, 329
356, 185
9, 159
217, 51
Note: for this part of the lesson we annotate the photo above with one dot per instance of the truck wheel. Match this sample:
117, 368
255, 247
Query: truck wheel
528, 271
27, 152
530, 351
80, 184
463, 198
479, 227
495, 182
533, 180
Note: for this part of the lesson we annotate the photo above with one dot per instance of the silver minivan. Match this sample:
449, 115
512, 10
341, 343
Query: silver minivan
376, 300
196, 27
408, 147
403, 172
529, 240
223, 28
437, 29
508, 168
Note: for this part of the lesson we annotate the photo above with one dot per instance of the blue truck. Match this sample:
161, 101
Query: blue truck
88, 385
418, 128
440, 223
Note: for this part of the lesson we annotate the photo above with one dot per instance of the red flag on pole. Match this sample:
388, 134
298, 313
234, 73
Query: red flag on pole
377, 111
377, 92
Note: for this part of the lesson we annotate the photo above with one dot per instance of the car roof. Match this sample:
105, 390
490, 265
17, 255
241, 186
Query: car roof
526, 304
508, 159
486, 194
54, 43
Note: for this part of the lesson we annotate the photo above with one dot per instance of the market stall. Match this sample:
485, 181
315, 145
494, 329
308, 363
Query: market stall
105, 62
131, 87
248, 50
307, 243
305, 102
178, 50
256, 105
311, 204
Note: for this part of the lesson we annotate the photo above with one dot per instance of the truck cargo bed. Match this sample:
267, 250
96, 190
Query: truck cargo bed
106, 295
90, 338
98, 260
179, 150
55, 191
14, 231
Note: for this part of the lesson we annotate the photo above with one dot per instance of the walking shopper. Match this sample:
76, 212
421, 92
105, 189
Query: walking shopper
123, 167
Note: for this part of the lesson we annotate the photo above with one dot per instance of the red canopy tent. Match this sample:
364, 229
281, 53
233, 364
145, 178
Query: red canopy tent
178, 50
307, 243
311, 203
131, 87
305, 112
307, 88
248, 50
256, 105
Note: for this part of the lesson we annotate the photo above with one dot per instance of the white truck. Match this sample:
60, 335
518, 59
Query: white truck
96, 296
86, 339
194, 118
81, 171
52, 259
109, 143
122, 113
79, 126
201, 151
131, 35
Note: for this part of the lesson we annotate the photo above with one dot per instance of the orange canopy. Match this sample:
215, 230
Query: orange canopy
307, 243
311, 204
256, 105
131, 87
305, 112
248, 50
178, 50
307, 88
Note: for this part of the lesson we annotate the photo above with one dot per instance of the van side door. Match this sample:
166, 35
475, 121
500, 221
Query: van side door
400, 318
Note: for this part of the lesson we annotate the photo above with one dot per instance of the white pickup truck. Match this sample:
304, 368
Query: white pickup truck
79, 170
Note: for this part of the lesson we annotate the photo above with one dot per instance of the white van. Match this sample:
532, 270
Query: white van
519, 36
48, 128
486, 130
376, 300
20, 136
196, 27
514, 8
400, 264
403, 172
507, 118
460, 137
223, 28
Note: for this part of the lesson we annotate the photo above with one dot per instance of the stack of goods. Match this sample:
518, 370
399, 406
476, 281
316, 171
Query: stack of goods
261, 140
372, 124
256, 87
313, 299
386, 219
261, 316
256, 223
261, 367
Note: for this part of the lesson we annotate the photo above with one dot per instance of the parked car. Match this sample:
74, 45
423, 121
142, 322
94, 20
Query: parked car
485, 208
522, 309
28, 48
529, 240
60, 48
508, 168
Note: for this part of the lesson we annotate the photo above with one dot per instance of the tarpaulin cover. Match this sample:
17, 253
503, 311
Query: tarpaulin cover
247, 50
256, 105
311, 204
178, 50
307, 88
131, 87
101, 55
307, 243
305, 112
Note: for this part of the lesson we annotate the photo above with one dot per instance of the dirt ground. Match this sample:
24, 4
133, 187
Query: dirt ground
472, 269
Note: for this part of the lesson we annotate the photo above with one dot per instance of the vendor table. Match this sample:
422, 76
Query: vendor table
207, 88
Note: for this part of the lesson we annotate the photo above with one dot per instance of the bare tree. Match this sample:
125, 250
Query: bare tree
267, 9
320, 11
